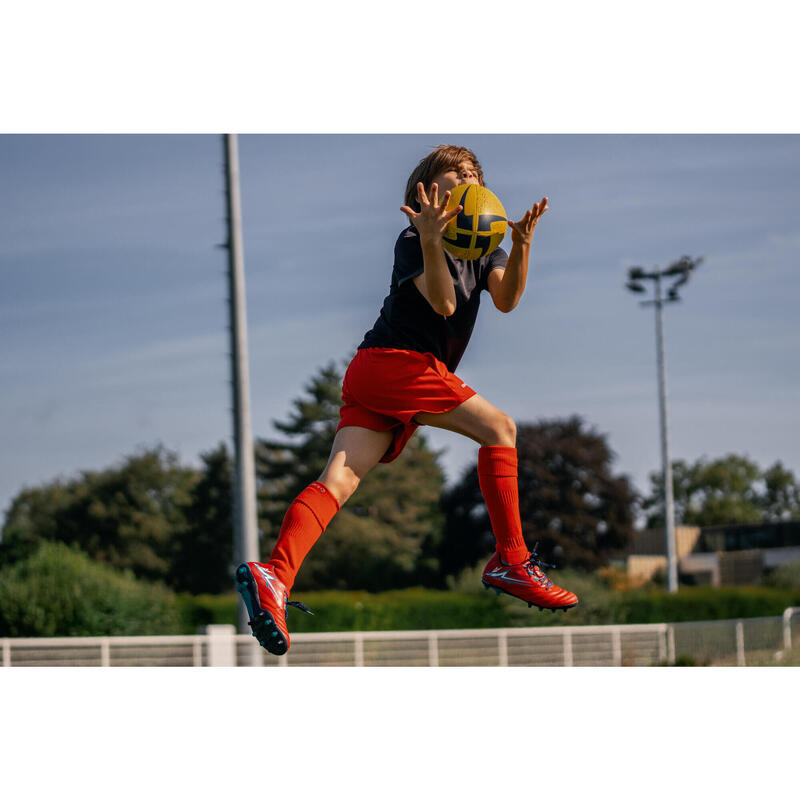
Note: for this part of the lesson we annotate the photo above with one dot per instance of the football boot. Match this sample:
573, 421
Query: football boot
266, 599
527, 582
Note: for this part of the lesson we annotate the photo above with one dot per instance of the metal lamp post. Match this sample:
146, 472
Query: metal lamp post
680, 269
244, 497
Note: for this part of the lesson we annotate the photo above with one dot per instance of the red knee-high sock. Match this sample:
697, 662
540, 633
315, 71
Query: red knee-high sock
497, 475
304, 521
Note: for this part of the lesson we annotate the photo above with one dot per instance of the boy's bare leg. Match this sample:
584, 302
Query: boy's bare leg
478, 419
354, 453
511, 569
265, 587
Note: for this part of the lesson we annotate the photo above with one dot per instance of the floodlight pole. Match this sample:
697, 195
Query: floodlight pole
682, 269
669, 500
244, 494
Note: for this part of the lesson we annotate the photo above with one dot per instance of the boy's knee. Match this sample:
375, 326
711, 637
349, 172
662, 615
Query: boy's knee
505, 431
342, 484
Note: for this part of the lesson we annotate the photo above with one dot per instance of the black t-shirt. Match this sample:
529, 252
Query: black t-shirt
408, 322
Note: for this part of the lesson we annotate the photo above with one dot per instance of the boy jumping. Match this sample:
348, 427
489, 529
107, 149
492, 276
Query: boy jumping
402, 377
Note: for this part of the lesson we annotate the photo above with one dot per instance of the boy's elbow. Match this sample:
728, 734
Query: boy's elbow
442, 306
445, 309
506, 305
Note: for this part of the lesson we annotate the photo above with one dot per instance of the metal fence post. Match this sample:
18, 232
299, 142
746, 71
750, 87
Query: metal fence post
433, 649
616, 645
567, 648
105, 652
740, 643
359, 655
787, 627
502, 647
197, 652
6, 653
671, 644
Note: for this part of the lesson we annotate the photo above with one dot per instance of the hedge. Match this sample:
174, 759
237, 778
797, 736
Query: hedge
423, 609
402, 609
704, 603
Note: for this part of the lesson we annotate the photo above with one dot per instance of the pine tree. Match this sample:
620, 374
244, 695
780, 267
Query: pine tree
204, 547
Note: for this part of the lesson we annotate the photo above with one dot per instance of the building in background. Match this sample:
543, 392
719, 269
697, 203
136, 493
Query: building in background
721, 555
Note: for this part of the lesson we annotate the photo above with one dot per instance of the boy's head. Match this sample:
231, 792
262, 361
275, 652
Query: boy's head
444, 159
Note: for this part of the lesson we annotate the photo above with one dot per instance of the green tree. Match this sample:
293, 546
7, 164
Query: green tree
730, 490
125, 516
388, 533
203, 559
780, 500
570, 502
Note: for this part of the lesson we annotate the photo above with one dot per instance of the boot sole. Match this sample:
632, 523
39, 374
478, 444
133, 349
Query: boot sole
530, 603
262, 622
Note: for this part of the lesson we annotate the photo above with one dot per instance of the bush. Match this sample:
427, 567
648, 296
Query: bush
786, 576
703, 603
60, 591
200, 610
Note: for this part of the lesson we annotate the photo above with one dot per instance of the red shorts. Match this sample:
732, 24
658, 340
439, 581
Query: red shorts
384, 388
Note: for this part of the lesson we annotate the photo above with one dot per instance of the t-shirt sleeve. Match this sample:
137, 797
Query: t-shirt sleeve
408, 261
498, 259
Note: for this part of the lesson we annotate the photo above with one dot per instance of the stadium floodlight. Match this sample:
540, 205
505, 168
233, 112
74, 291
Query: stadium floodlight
636, 273
681, 268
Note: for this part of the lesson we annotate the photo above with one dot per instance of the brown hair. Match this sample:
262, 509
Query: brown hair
443, 158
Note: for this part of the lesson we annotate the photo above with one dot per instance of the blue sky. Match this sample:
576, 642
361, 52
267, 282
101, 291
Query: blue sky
113, 309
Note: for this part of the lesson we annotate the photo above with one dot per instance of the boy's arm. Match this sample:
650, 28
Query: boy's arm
507, 285
435, 284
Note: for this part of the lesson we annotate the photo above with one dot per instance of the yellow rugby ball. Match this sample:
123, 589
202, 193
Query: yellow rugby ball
479, 227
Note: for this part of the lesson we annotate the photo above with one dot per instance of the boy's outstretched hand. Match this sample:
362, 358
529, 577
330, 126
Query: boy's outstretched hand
522, 231
433, 216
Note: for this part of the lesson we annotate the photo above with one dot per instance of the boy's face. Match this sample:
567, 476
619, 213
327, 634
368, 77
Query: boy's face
465, 172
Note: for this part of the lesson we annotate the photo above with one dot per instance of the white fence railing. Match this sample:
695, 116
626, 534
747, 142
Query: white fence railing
721, 642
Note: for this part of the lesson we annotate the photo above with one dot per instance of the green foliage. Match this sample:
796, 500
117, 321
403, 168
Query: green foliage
163, 521
60, 591
467, 605
726, 491
203, 557
387, 535
703, 603
570, 502
200, 610
402, 609
125, 516
786, 576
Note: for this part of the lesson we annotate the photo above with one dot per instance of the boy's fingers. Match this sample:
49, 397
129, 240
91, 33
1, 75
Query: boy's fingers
421, 193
